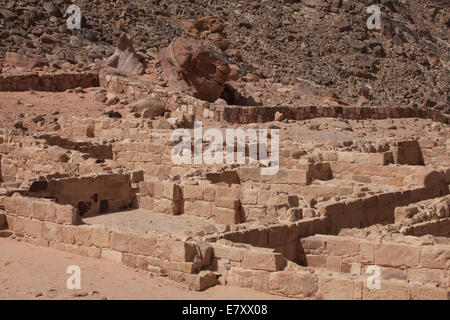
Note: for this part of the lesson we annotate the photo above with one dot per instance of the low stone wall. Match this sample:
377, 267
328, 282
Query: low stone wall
397, 176
202, 265
89, 194
427, 264
29, 162
29, 158
105, 128
38, 210
92, 149
181, 261
240, 114
437, 228
137, 89
227, 205
426, 217
370, 210
333, 217
436, 152
170, 198
48, 82
305, 284
177, 101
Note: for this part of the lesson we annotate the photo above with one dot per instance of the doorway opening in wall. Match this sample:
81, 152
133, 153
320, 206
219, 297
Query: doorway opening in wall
104, 206
83, 208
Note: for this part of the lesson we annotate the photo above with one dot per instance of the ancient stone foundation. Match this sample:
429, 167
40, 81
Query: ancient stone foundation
339, 205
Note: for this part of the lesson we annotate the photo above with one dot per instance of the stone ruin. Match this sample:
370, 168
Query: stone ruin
106, 187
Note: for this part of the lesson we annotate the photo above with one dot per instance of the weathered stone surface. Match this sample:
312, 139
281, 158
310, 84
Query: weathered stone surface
125, 58
196, 66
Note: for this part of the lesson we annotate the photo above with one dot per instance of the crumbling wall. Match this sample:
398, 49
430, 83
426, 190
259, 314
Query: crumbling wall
245, 114
92, 149
398, 260
136, 89
89, 194
56, 82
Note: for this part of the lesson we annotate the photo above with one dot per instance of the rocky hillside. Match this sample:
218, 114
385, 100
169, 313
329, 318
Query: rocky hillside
324, 43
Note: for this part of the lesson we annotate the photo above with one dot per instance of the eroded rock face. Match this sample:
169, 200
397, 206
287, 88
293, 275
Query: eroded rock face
195, 66
125, 58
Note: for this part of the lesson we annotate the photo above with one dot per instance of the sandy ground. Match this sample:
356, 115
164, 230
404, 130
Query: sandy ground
30, 272
23, 106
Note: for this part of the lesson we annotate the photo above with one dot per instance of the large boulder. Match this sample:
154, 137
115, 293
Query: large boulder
125, 58
149, 107
197, 67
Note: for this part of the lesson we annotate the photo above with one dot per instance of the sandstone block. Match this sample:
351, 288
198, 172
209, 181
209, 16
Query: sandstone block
390, 290
263, 260
192, 192
83, 236
166, 206
120, 241
226, 216
301, 177
293, 283
237, 277
331, 288
230, 253
249, 196
260, 281
316, 261
100, 237
436, 257
182, 251
111, 255
396, 255
429, 293
201, 281
142, 245
198, 208
209, 194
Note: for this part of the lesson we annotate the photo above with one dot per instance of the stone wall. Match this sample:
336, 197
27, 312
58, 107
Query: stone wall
177, 101
304, 284
92, 149
27, 158
428, 263
240, 114
202, 265
38, 210
137, 89
48, 82
397, 176
181, 261
438, 228
89, 194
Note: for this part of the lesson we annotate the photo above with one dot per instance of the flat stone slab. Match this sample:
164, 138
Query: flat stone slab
142, 221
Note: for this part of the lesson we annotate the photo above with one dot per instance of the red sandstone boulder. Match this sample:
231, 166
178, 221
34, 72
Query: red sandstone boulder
125, 58
195, 66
